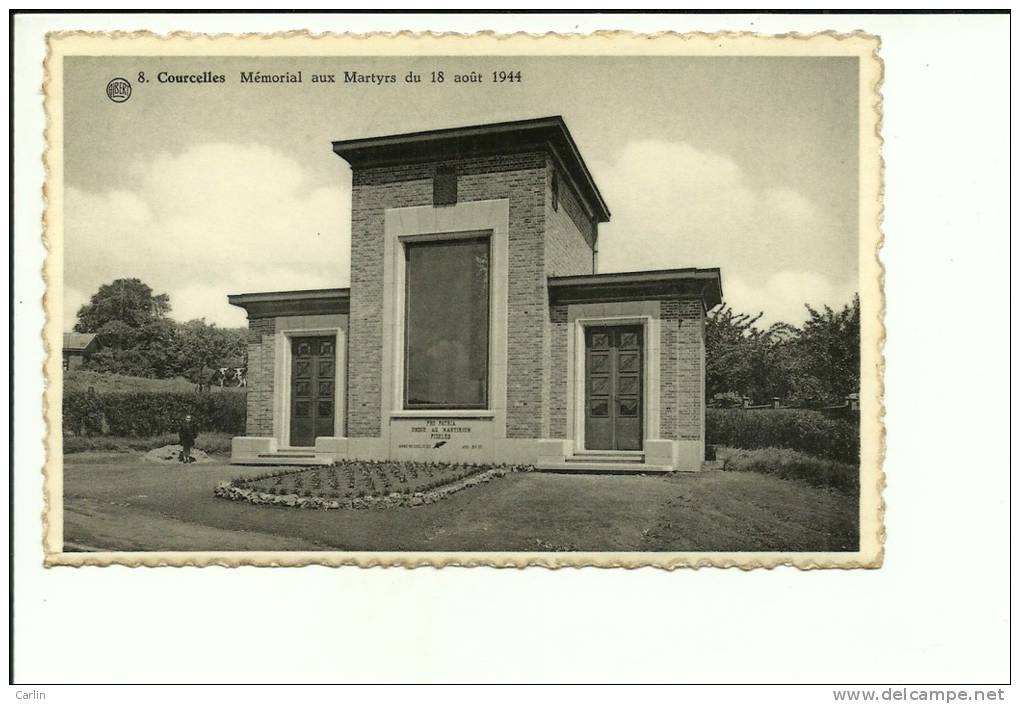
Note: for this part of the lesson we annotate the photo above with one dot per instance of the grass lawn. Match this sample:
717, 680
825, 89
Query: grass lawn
115, 501
104, 382
211, 442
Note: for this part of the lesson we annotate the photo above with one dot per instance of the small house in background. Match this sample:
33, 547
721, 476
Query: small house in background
78, 347
477, 327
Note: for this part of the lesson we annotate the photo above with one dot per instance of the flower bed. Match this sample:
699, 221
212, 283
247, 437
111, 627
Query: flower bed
355, 484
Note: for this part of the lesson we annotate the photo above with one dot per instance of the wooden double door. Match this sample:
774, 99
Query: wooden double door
312, 389
613, 388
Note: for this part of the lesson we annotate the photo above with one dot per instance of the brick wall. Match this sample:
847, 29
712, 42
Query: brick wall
560, 369
569, 242
682, 371
570, 232
520, 178
261, 367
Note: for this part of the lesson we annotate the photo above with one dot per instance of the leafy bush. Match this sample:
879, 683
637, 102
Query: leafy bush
793, 465
147, 414
793, 428
83, 413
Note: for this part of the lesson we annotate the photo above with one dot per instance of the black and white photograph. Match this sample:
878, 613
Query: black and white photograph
419, 304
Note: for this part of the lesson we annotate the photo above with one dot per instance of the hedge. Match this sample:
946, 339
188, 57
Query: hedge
148, 413
796, 466
83, 413
805, 430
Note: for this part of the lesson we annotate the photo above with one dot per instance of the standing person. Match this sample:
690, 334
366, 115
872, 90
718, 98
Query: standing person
187, 433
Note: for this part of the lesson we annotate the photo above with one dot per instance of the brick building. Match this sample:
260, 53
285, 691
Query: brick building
78, 347
476, 328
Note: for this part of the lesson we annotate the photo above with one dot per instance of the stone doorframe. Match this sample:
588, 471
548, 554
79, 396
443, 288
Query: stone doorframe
582, 316
281, 382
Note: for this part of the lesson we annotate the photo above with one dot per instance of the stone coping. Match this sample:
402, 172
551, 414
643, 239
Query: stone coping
705, 284
274, 304
545, 133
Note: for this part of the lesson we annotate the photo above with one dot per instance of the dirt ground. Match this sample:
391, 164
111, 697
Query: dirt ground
115, 501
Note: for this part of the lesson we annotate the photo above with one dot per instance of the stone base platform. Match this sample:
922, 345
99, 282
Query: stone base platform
265, 451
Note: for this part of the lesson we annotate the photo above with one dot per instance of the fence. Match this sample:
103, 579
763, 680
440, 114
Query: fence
849, 408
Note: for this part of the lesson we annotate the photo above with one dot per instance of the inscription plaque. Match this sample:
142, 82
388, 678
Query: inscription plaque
438, 439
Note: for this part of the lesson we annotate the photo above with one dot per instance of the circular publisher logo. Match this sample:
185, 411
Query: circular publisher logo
118, 90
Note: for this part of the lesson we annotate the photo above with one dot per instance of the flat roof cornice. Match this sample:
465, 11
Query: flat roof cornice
78, 341
273, 304
547, 133
634, 285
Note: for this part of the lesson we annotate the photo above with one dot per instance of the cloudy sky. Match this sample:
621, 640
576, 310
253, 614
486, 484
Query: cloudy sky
200, 191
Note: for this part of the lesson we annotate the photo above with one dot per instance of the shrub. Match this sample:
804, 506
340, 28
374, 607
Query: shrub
797, 466
149, 413
805, 430
82, 413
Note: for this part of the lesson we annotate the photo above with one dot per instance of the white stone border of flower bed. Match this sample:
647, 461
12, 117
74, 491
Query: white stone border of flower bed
226, 490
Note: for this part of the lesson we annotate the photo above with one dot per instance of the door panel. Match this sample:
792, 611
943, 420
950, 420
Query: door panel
628, 432
312, 392
598, 389
613, 388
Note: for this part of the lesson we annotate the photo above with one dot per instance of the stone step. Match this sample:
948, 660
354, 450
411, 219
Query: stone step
287, 459
627, 467
613, 457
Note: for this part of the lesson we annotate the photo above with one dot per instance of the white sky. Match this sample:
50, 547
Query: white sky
200, 191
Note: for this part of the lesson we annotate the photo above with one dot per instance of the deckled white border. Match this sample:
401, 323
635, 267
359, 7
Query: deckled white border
296, 43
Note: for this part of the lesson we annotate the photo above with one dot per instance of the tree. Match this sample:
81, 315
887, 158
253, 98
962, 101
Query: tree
744, 360
829, 351
159, 340
203, 346
131, 324
121, 306
139, 339
728, 337
117, 335
815, 364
